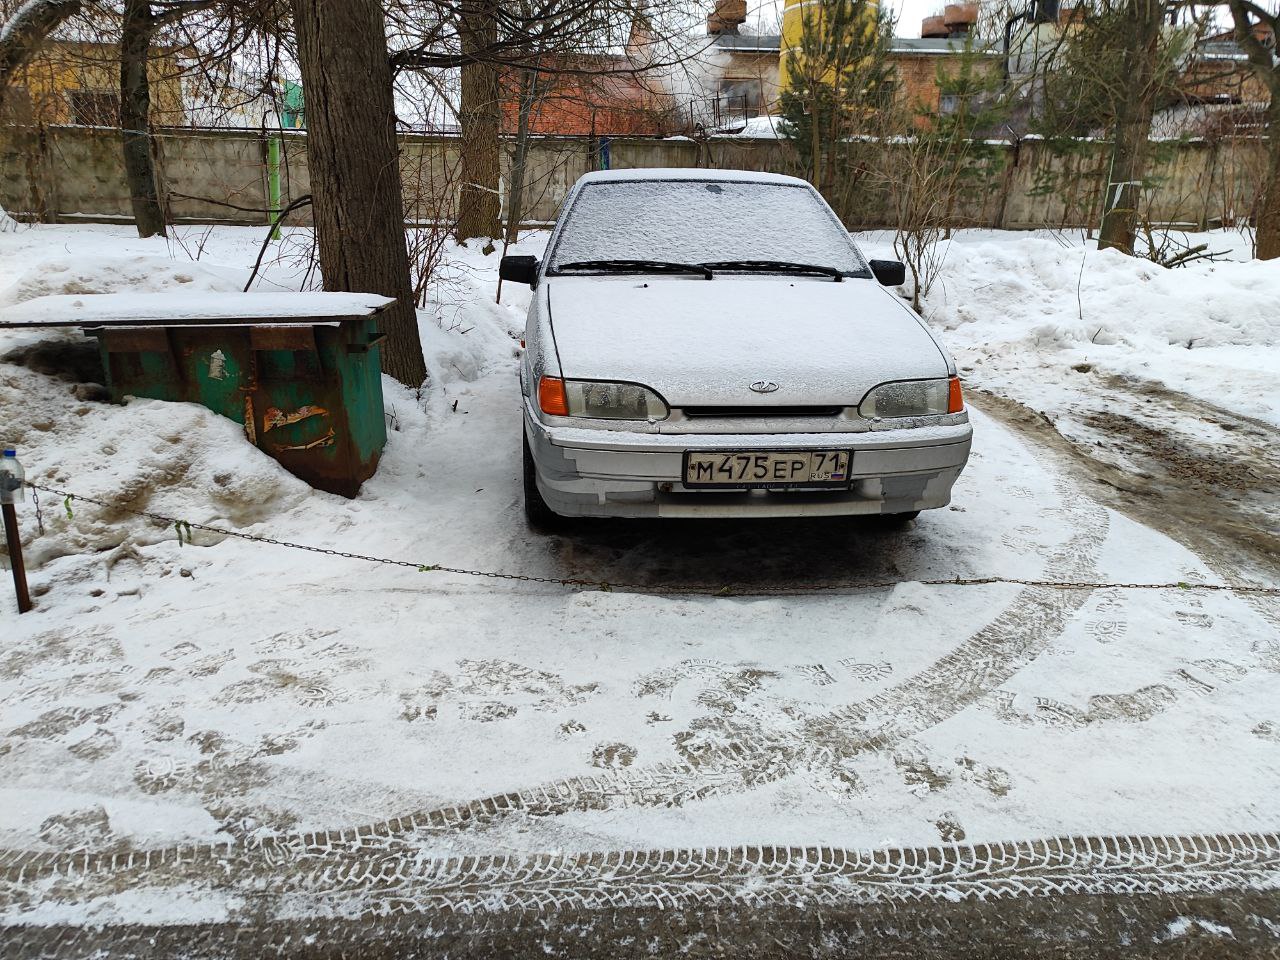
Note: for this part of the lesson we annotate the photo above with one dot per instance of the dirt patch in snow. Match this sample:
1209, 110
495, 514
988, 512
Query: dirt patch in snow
1223, 509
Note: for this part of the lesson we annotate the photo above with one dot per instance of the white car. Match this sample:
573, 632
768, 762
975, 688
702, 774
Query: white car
712, 344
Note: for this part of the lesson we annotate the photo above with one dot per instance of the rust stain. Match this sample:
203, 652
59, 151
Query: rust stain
325, 441
275, 417
250, 431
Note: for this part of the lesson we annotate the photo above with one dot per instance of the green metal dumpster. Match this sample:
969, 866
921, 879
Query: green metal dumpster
300, 371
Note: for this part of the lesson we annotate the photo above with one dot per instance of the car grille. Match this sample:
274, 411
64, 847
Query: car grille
761, 412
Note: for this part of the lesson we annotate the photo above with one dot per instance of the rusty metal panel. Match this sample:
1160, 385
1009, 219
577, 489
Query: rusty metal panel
135, 340
282, 338
316, 408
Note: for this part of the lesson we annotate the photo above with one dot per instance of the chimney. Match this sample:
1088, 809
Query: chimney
934, 28
727, 17
960, 18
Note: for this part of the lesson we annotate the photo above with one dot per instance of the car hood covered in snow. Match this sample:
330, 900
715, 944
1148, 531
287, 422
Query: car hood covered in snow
700, 342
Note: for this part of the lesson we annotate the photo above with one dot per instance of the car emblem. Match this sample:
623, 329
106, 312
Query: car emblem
764, 386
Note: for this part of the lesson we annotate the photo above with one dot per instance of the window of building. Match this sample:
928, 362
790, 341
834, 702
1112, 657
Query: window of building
950, 103
95, 108
742, 95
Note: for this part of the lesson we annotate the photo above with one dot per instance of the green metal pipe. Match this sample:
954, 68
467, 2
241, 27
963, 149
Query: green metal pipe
273, 182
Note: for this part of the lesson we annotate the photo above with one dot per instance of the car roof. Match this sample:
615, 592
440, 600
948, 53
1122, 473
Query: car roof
689, 173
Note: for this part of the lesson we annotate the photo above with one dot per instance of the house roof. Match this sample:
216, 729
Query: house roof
759, 43
937, 46
772, 42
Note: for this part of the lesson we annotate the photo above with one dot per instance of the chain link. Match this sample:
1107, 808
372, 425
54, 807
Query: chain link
700, 589
35, 500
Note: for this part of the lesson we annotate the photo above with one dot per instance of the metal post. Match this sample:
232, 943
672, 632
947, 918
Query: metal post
14, 542
273, 183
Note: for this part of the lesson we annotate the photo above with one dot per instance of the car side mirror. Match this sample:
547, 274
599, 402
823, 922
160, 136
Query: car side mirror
890, 273
519, 269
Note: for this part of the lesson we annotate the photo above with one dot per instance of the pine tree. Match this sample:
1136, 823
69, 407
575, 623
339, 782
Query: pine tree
840, 86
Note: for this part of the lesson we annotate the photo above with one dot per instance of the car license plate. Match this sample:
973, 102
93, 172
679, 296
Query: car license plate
768, 470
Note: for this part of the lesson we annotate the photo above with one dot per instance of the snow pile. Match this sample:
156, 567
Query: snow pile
1048, 318
1037, 291
763, 128
178, 459
103, 273
464, 330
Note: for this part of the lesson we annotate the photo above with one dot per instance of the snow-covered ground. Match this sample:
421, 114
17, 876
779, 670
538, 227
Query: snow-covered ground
235, 691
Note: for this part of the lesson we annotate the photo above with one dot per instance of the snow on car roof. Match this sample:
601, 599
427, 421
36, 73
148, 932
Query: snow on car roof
215, 309
690, 173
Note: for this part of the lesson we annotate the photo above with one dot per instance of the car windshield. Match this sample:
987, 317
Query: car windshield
703, 221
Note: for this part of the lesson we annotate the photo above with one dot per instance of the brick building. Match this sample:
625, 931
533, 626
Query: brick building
590, 96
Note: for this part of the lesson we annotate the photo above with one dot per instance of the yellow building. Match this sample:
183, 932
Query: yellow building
795, 15
792, 29
74, 81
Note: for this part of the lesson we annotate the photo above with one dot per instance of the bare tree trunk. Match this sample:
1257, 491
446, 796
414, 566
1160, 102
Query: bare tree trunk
479, 208
1245, 14
26, 31
1131, 140
355, 169
815, 140
515, 199
135, 118
1267, 229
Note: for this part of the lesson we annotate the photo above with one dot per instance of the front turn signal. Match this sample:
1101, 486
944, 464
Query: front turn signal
552, 398
955, 397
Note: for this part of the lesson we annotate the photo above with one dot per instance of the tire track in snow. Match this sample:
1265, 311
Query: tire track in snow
384, 878
740, 760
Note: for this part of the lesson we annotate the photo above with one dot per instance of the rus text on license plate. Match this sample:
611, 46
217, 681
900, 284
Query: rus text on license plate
774, 469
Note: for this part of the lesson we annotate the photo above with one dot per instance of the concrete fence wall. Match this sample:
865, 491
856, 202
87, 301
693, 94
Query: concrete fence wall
63, 173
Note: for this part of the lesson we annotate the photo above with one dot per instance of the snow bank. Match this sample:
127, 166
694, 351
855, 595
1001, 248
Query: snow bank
1035, 290
52, 275
763, 128
178, 459
1046, 318
464, 330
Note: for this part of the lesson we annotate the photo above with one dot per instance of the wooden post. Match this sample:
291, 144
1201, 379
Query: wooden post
14, 542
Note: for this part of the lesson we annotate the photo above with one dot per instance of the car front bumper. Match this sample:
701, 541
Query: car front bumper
585, 472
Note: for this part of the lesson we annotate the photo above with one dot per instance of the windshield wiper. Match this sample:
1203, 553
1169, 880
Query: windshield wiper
776, 266
636, 266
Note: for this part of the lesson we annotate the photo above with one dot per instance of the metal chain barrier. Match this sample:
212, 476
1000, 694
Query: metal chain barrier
184, 528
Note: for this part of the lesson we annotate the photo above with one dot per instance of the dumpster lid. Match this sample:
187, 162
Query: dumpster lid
200, 309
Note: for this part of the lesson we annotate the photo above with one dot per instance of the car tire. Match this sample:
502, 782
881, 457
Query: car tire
536, 511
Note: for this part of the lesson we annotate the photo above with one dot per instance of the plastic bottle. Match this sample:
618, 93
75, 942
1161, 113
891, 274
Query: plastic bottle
11, 477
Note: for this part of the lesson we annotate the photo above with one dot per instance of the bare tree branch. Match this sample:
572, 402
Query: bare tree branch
22, 35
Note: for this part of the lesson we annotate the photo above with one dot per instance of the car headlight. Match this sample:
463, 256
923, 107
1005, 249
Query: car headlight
913, 398
599, 399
